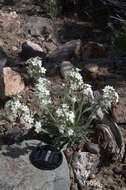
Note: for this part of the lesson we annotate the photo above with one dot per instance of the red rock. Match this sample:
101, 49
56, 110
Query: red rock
10, 83
93, 50
119, 113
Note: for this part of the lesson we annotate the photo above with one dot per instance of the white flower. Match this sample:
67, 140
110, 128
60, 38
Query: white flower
77, 69
25, 109
70, 132
61, 129
70, 116
43, 70
73, 99
59, 112
17, 104
38, 127
35, 68
117, 97
36, 61
73, 86
87, 90
43, 80
110, 96
75, 79
28, 121
45, 101
108, 88
65, 107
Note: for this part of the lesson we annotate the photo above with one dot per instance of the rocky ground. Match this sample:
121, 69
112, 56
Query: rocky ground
100, 66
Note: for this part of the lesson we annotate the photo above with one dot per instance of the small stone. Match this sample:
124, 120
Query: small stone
10, 83
92, 148
65, 68
14, 48
92, 176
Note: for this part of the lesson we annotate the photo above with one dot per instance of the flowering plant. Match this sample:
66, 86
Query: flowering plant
68, 119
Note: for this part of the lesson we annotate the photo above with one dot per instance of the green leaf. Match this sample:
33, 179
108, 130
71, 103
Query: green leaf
44, 131
87, 109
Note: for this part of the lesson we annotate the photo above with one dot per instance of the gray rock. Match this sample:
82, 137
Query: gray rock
65, 52
17, 172
65, 68
92, 148
37, 26
30, 49
3, 58
85, 164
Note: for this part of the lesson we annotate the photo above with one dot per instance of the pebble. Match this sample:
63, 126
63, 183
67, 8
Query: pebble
92, 148
92, 176
65, 68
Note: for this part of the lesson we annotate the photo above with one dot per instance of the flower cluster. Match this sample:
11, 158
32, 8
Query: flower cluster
87, 90
64, 113
75, 108
35, 68
110, 96
76, 83
75, 79
19, 110
65, 118
38, 127
42, 93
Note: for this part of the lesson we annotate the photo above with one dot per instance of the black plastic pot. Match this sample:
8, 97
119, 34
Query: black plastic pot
46, 157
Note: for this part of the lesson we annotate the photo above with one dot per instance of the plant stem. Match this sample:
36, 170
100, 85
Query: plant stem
50, 114
80, 109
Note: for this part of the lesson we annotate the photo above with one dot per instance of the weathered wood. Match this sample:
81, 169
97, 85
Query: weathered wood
65, 52
113, 138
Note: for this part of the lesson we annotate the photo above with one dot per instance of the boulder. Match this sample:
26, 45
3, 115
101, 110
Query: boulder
10, 82
18, 173
93, 50
30, 49
37, 26
65, 52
